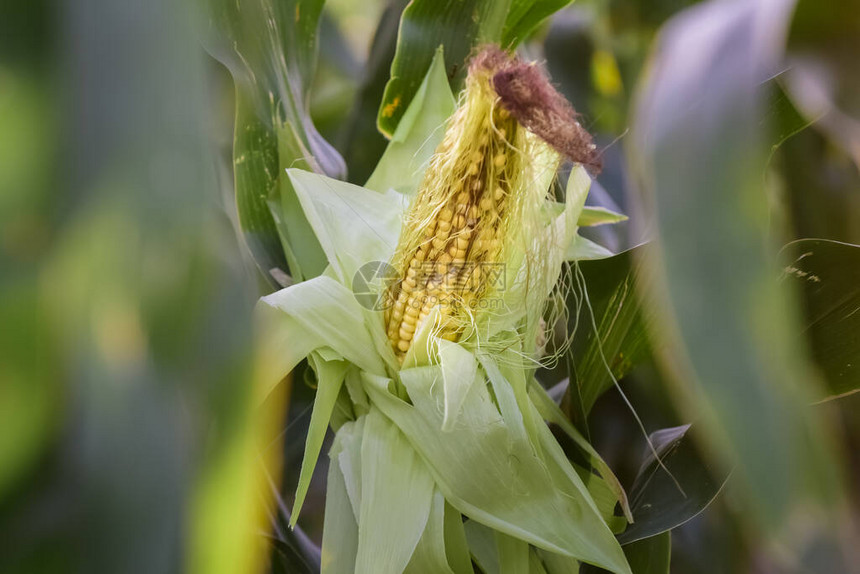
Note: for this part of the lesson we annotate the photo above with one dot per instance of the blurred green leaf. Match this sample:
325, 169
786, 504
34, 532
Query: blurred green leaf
659, 504
821, 78
270, 49
457, 25
828, 274
620, 338
699, 151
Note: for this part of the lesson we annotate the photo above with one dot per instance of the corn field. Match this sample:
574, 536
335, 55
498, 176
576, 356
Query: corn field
430, 287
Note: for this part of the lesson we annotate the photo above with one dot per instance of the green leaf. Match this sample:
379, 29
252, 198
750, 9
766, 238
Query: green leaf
658, 504
525, 15
430, 556
482, 543
647, 556
584, 249
553, 414
828, 275
270, 49
457, 25
354, 225
308, 316
620, 335
459, 373
396, 496
729, 326
340, 527
418, 134
591, 216
493, 474
330, 376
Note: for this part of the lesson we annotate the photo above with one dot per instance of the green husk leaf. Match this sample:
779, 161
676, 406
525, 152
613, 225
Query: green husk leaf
330, 375
294, 321
418, 134
482, 543
551, 412
513, 554
396, 496
491, 473
582, 248
354, 225
456, 545
340, 528
459, 372
592, 216
429, 556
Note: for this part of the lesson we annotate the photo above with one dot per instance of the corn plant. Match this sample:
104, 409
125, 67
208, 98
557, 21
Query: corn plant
529, 287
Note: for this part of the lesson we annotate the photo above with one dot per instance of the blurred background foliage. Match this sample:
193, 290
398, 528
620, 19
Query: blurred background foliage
141, 215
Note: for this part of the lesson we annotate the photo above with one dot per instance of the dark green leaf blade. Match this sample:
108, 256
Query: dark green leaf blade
621, 335
458, 25
270, 49
657, 502
525, 15
828, 275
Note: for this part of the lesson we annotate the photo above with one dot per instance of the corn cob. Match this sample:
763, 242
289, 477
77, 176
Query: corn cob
455, 226
475, 196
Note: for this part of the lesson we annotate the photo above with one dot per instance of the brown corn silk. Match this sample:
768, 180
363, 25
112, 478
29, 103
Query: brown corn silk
474, 198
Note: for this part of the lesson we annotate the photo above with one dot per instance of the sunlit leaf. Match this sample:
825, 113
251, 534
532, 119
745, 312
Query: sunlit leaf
396, 496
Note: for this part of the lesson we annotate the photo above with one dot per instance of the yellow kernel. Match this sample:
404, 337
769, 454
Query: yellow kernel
444, 225
499, 194
462, 242
463, 197
461, 220
473, 212
408, 327
486, 204
474, 168
477, 185
477, 157
446, 214
403, 345
499, 160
